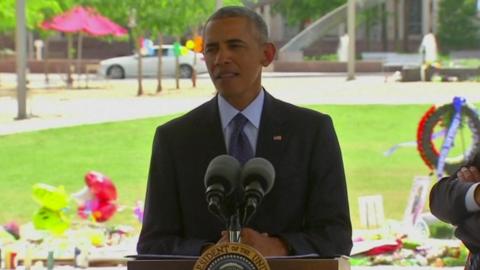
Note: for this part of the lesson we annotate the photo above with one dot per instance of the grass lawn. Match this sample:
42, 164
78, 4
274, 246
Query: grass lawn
122, 150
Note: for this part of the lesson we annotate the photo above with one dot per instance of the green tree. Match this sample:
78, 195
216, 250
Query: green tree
36, 12
457, 29
130, 13
7, 16
304, 11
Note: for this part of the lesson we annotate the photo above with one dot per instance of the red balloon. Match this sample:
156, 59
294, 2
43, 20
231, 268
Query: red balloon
100, 186
102, 205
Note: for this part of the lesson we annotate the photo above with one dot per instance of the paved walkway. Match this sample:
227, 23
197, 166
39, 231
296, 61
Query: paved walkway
116, 100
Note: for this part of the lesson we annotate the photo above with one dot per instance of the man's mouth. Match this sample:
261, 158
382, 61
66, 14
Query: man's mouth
226, 75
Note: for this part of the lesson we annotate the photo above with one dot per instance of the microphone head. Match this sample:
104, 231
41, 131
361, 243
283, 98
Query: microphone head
223, 170
258, 170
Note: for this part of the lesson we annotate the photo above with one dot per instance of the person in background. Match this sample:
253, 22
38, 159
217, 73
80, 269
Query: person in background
456, 200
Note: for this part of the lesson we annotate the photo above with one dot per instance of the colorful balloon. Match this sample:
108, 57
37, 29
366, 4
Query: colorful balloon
147, 44
51, 220
198, 40
177, 49
190, 44
183, 51
53, 198
100, 201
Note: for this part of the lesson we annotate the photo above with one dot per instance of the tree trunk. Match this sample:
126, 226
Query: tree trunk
177, 67
69, 61
159, 69
31, 50
45, 61
140, 68
194, 69
79, 57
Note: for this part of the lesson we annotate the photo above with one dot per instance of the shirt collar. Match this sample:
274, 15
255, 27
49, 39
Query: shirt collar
252, 112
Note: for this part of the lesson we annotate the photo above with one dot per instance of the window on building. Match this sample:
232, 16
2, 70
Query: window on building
415, 22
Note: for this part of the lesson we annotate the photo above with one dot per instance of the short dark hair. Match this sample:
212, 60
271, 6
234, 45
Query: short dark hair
237, 11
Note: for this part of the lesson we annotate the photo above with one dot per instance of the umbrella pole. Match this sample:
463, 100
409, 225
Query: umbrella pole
79, 57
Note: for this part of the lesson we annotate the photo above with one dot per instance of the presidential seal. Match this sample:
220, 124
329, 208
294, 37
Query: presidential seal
231, 256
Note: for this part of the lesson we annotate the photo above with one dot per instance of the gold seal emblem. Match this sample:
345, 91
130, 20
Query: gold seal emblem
231, 256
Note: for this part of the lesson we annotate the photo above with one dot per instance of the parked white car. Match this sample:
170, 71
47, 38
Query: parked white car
126, 66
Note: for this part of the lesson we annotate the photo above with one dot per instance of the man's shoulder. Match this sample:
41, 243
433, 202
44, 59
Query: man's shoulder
298, 113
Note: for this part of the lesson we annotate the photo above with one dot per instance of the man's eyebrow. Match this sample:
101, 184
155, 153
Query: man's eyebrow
211, 44
235, 40
229, 41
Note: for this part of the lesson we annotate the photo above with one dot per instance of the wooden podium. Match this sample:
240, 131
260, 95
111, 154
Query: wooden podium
275, 264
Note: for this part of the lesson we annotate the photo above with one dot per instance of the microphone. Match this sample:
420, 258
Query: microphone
220, 181
257, 178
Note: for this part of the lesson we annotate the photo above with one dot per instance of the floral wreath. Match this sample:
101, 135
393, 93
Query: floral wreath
443, 115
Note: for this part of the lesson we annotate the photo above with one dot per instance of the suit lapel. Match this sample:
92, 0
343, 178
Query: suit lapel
213, 138
271, 136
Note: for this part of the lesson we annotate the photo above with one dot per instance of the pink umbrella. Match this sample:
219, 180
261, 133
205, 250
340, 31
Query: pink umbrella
83, 20
86, 20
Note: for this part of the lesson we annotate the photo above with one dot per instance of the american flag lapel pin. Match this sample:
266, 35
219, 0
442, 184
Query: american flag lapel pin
277, 137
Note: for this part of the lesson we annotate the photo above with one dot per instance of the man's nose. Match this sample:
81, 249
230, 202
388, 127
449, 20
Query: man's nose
223, 57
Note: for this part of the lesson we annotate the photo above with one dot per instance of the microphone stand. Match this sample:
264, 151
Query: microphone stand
234, 228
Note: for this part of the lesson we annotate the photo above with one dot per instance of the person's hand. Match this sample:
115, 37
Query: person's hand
224, 238
266, 245
469, 174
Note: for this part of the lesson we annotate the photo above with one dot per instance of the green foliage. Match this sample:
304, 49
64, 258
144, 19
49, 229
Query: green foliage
324, 57
39, 11
441, 230
457, 29
7, 16
35, 13
469, 63
301, 11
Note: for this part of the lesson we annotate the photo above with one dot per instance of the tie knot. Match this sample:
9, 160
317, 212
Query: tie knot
239, 121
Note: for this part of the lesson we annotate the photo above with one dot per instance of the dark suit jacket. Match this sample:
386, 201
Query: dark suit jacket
447, 202
307, 207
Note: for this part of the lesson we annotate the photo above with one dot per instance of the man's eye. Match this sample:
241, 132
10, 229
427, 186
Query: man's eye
209, 50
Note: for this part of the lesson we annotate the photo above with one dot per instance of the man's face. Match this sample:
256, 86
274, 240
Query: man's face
235, 57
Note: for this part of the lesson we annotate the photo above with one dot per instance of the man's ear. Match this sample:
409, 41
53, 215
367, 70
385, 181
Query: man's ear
269, 51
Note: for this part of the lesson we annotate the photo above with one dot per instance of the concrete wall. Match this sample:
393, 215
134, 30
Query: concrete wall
54, 65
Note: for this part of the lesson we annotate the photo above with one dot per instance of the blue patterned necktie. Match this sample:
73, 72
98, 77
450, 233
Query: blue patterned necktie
239, 146
474, 261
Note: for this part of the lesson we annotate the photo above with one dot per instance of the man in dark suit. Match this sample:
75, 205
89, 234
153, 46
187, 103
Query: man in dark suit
456, 200
307, 209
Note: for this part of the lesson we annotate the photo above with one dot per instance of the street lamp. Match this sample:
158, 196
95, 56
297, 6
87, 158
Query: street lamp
21, 55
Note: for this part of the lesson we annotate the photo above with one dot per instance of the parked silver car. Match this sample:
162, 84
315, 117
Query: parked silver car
126, 66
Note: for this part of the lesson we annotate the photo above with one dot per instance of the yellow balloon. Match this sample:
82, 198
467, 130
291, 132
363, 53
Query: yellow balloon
190, 44
183, 51
50, 220
53, 198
